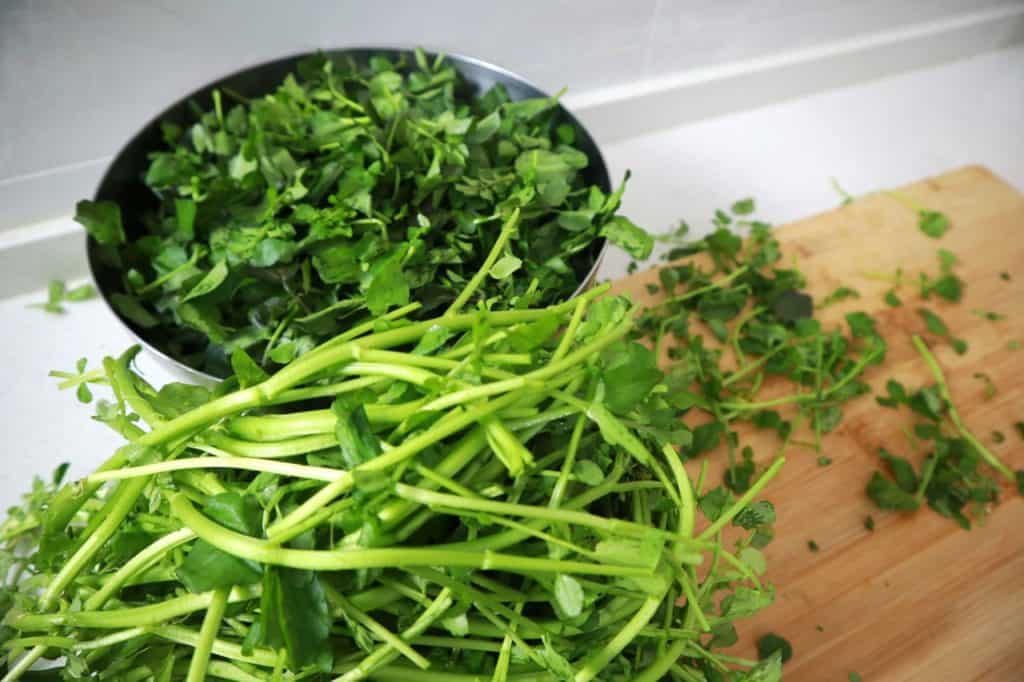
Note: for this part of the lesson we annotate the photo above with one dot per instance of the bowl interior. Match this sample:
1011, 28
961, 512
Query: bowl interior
123, 181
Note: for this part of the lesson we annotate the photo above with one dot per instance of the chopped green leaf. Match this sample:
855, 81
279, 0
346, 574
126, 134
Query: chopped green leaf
933, 223
770, 643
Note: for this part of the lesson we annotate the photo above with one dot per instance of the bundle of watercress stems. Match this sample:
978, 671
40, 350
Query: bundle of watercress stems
443, 500
349, 190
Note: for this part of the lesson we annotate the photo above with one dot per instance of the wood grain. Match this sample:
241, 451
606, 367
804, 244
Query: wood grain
918, 599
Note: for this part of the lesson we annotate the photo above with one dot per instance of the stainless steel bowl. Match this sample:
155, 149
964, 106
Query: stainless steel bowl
122, 182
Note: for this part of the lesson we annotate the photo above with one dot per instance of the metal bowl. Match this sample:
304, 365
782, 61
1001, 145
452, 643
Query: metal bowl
122, 182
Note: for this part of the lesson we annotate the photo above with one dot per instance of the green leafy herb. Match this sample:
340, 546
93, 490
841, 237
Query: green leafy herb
352, 189
935, 325
947, 285
933, 223
951, 479
869, 522
892, 300
813, 546
336, 518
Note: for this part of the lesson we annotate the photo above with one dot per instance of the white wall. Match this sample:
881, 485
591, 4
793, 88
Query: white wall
78, 78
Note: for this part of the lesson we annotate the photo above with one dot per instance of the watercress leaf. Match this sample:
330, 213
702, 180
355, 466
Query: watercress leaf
569, 595
206, 567
102, 220
706, 437
356, 440
861, 324
616, 433
949, 287
246, 370
759, 513
587, 472
132, 309
723, 635
555, 663
902, 470
505, 266
176, 398
629, 373
933, 322
770, 643
185, 219
746, 601
714, 502
632, 239
791, 306
933, 223
888, 495
768, 670
387, 287
209, 283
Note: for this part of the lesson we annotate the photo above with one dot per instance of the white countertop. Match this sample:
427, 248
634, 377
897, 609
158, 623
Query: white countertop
870, 136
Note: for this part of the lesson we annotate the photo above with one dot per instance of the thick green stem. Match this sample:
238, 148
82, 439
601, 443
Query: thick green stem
597, 661
137, 564
207, 634
303, 471
385, 654
507, 230
267, 552
549, 514
130, 617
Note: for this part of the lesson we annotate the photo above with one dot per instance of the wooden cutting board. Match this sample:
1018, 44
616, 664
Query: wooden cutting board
917, 599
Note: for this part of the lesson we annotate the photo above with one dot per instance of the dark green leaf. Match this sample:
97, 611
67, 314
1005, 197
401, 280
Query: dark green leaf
246, 369
209, 283
791, 306
861, 324
102, 220
294, 617
933, 322
770, 643
630, 238
630, 372
356, 439
887, 495
759, 513
133, 310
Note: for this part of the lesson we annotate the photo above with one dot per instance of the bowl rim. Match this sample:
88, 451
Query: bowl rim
182, 370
